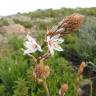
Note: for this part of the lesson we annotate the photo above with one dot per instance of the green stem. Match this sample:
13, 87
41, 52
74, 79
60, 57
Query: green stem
33, 57
77, 81
46, 88
90, 88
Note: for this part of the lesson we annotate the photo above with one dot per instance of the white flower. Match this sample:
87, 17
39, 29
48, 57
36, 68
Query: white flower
31, 45
53, 43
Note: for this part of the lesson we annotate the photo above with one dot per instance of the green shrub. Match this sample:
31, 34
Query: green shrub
25, 24
86, 42
13, 66
2, 90
60, 12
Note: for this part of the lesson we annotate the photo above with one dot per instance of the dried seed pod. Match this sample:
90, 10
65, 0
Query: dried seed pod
63, 89
41, 71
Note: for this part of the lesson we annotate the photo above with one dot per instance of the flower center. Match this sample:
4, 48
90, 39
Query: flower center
52, 43
34, 46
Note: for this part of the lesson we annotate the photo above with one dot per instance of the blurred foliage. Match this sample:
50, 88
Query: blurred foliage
3, 22
24, 23
2, 90
61, 12
13, 65
21, 88
87, 40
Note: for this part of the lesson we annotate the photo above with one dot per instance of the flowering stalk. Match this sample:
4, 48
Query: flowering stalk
33, 57
53, 41
44, 57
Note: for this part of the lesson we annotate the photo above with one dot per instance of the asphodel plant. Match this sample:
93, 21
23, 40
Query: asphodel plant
53, 39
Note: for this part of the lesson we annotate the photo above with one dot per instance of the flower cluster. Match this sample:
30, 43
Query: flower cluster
53, 44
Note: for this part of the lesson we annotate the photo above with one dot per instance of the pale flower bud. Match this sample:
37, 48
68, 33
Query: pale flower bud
63, 89
82, 66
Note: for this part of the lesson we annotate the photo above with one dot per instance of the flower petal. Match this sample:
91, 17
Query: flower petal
55, 37
58, 48
60, 40
39, 48
29, 51
30, 39
28, 44
51, 49
48, 38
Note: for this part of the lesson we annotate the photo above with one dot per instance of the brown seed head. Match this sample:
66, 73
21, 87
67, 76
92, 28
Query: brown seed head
41, 71
73, 22
63, 89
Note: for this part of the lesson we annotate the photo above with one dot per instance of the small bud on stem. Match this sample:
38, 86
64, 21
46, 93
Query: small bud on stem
63, 89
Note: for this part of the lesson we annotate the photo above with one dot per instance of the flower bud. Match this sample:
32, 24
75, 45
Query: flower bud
69, 24
82, 66
41, 71
63, 89
72, 22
